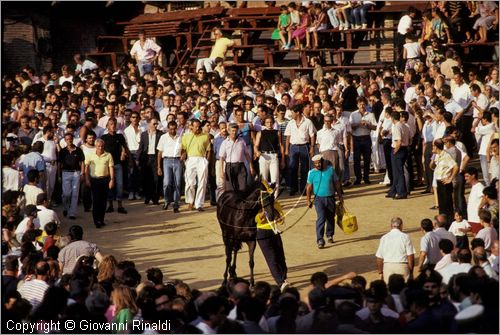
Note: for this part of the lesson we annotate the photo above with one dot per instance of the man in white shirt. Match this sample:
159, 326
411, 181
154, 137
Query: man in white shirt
362, 124
462, 265
132, 136
145, 51
399, 155
328, 139
300, 140
169, 151
11, 178
480, 101
30, 222
483, 133
83, 64
428, 133
440, 223
481, 258
50, 157
395, 253
475, 198
45, 215
405, 26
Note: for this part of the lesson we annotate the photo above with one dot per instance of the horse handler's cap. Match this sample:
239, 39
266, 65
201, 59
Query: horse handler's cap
317, 158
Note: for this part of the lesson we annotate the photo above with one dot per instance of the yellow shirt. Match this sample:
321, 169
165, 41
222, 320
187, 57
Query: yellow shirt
220, 47
196, 145
444, 165
99, 165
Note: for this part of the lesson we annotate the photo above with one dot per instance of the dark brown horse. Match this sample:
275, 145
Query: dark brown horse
236, 213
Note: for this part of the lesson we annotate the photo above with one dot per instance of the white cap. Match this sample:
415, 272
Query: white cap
317, 158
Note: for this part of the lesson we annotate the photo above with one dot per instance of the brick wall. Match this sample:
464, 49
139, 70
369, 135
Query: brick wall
18, 47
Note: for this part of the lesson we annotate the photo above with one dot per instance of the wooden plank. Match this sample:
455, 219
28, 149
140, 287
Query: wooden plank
253, 11
176, 16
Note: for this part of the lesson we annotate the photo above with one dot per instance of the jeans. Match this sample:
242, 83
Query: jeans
70, 189
299, 154
117, 191
398, 162
172, 170
362, 147
144, 68
484, 169
332, 15
325, 210
100, 188
359, 14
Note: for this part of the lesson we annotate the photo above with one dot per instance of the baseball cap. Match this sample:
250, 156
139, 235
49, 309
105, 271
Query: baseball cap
30, 210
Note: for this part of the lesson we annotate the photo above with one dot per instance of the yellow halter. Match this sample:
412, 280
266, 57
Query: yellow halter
262, 219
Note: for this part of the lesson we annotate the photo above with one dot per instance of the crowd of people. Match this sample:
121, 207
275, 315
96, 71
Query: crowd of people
94, 136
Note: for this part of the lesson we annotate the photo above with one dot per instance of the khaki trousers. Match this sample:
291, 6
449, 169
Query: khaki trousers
398, 268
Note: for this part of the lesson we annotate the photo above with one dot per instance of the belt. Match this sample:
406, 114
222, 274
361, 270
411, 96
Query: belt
301, 144
104, 177
269, 152
171, 158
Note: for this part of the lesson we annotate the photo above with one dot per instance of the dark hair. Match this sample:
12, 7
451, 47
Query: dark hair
490, 192
76, 233
485, 215
319, 279
471, 171
50, 228
33, 175
155, 275
464, 256
426, 225
396, 283
211, 306
476, 242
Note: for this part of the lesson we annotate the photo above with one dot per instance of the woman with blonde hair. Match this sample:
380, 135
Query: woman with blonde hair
106, 274
123, 298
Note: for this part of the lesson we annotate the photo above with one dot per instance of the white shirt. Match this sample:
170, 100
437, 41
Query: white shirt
33, 291
205, 329
445, 261
385, 123
151, 144
475, 195
86, 65
455, 226
461, 94
163, 114
440, 129
10, 179
356, 119
395, 247
170, 147
429, 131
452, 269
482, 102
328, 139
23, 227
145, 54
484, 133
87, 151
452, 107
404, 24
412, 50
31, 192
301, 134
46, 215
132, 137
400, 132
410, 93
49, 150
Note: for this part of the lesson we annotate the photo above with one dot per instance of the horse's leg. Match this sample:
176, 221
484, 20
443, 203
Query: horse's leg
228, 260
251, 263
232, 269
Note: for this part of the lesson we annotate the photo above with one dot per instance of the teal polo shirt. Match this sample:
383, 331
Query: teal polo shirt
322, 181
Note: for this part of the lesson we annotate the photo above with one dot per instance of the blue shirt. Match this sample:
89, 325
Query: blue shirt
217, 142
30, 161
322, 181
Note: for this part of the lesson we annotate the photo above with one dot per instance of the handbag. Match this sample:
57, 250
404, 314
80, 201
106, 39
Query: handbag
345, 220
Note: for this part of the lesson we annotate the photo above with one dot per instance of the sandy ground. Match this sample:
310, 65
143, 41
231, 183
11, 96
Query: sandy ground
189, 245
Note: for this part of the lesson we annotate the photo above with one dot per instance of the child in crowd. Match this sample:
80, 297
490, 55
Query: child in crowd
294, 22
460, 228
411, 51
49, 236
488, 234
318, 24
303, 29
283, 24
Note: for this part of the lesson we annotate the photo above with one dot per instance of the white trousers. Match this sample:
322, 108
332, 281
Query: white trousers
207, 63
70, 189
196, 180
378, 158
50, 179
396, 268
219, 180
269, 167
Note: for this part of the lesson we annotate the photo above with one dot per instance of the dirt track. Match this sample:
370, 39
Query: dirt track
189, 246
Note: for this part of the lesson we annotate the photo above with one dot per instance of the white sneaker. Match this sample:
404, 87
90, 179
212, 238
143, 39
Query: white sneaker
357, 26
136, 196
346, 27
131, 196
284, 286
364, 26
341, 27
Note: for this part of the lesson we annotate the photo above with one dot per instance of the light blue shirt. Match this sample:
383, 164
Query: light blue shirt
33, 160
322, 181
